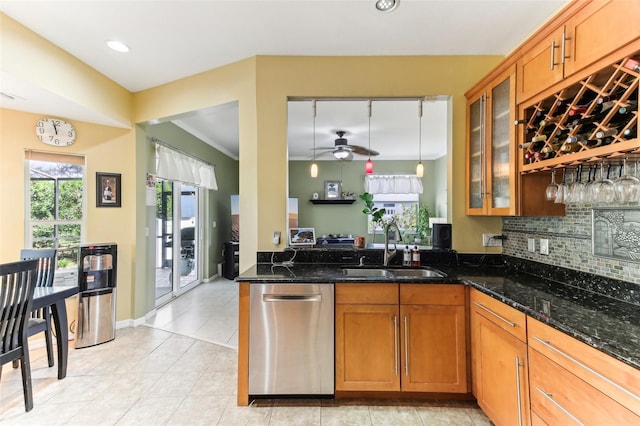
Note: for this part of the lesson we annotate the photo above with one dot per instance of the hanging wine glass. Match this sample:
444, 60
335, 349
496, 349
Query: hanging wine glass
562, 188
584, 196
574, 189
626, 186
602, 190
552, 188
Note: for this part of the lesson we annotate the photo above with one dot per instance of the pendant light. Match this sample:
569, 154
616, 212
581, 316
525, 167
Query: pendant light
420, 166
368, 167
314, 166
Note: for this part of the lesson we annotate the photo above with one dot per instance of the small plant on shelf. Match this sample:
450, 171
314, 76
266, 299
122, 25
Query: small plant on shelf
422, 227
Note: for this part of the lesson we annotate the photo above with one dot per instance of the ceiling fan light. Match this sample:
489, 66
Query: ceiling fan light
341, 154
368, 167
420, 169
314, 170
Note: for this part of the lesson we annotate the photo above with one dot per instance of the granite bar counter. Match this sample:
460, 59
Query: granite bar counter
600, 312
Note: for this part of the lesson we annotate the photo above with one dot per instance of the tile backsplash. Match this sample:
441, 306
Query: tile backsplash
569, 244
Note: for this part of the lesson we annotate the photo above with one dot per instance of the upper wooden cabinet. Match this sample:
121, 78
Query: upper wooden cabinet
587, 33
491, 166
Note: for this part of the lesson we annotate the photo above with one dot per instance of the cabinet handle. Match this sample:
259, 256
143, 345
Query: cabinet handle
395, 339
481, 306
483, 146
553, 54
518, 396
406, 347
564, 41
585, 367
557, 404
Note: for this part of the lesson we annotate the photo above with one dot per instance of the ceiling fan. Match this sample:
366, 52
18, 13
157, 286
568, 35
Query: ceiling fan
343, 151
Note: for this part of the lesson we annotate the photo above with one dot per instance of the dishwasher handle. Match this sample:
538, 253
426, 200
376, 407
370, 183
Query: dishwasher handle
291, 298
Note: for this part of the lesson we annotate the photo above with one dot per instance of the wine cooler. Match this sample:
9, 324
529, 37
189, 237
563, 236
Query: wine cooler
97, 272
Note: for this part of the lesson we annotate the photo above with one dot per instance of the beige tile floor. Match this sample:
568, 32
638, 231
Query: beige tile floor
175, 375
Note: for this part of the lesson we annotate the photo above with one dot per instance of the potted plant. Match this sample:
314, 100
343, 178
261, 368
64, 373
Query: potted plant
375, 212
423, 230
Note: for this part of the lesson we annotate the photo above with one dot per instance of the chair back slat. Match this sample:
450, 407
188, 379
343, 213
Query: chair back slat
46, 264
17, 284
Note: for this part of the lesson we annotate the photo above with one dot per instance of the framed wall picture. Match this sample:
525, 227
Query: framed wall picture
108, 189
332, 189
616, 233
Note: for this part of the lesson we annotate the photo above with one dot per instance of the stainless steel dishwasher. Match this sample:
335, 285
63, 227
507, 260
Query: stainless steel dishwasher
291, 339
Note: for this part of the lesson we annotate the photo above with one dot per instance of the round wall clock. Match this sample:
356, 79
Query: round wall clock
55, 132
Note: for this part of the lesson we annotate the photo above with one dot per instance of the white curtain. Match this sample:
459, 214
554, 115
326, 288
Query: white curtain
175, 166
393, 184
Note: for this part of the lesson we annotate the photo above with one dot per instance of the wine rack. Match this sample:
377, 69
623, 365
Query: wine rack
593, 119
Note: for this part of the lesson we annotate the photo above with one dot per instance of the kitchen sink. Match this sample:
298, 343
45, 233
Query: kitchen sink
366, 272
426, 273
392, 272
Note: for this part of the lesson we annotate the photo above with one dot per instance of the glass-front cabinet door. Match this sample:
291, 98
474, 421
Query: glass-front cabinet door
491, 147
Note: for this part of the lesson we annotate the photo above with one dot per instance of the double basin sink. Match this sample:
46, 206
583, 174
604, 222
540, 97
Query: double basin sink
391, 272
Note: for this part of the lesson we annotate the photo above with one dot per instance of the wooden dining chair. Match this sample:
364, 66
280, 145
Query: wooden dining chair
40, 320
17, 283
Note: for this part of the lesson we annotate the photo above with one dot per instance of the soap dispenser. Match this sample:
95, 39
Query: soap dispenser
406, 256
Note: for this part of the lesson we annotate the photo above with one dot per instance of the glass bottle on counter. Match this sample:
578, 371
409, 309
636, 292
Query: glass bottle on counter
415, 256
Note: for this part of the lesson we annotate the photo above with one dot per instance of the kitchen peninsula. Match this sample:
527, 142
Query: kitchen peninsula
598, 330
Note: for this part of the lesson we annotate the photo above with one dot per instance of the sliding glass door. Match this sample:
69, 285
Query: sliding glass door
177, 251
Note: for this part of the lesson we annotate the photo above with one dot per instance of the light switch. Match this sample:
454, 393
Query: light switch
531, 245
544, 246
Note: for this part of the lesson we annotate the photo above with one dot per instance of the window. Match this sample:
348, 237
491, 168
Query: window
403, 207
55, 204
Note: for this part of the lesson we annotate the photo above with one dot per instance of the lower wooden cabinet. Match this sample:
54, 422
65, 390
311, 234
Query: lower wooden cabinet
499, 360
574, 383
388, 345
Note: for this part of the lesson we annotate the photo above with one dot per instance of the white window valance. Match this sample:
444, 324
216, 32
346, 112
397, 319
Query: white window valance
173, 165
393, 184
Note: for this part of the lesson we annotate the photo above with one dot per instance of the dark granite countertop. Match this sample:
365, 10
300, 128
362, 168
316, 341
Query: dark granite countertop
607, 323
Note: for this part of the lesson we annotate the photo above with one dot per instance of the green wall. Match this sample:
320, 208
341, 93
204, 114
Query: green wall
349, 219
218, 203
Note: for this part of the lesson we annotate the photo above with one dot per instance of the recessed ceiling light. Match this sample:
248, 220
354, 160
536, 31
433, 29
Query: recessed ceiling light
118, 46
387, 5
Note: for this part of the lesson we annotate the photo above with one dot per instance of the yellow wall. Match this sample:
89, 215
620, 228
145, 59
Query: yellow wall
263, 153
261, 86
106, 149
31, 58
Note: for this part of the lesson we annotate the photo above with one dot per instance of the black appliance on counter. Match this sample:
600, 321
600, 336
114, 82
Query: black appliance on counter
441, 236
334, 241
97, 272
231, 265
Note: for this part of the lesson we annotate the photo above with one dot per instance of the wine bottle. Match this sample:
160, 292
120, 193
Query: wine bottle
548, 120
630, 133
520, 121
609, 132
587, 97
632, 64
577, 111
569, 147
533, 146
576, 138
553, 147
629, 108
540, 156
593, 143
613, 96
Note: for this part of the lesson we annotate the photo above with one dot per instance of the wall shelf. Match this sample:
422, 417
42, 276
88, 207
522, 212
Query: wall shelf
332, 201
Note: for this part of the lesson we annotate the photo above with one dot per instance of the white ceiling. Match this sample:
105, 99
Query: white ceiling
172, 39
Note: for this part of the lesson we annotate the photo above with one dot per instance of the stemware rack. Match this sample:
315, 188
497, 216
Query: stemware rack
582, 110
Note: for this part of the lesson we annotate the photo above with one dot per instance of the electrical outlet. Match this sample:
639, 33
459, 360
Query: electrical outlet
544, 246
489, 241
531, 245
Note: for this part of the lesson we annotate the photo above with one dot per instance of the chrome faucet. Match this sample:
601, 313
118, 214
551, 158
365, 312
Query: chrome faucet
388, 254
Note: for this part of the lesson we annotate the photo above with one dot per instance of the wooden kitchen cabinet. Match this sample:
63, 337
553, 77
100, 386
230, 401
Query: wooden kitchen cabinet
587, 32
401, 337
433, 338
499, 360
491, 146
572, 382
